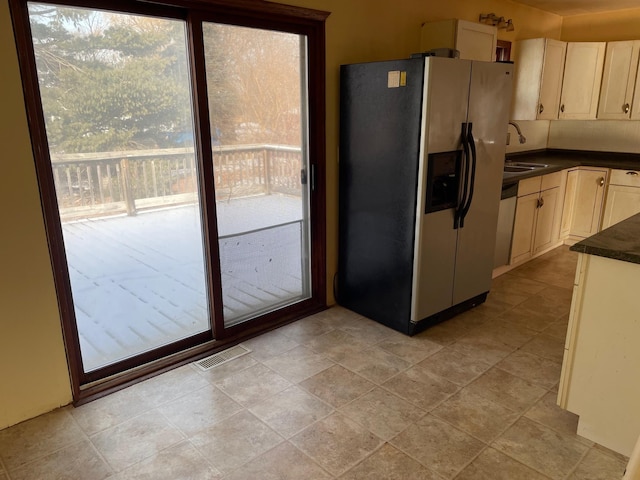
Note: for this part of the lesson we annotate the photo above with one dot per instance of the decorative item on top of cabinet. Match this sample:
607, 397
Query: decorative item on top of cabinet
583, 203
623, 197
539, 67
537, 222
475, 41
582, 79
619, 80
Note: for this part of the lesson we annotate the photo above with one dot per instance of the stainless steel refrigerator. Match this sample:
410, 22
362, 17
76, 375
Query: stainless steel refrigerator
422, 144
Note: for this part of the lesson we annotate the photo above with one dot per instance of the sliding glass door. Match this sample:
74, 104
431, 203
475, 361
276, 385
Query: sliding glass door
256, 79
174, 160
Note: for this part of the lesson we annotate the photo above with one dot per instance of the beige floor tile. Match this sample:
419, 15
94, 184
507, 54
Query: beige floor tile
389, 463
3, 476
556, 330
457, 367
412, 349
506, 390
548, 413
545, 346
500, 331
493, 465
469, 319
269, 345
199, 410
336, 316
284, 462
298, 364
235, 441
290, 411
224, 370
528, 318
335, 344
373, 363
38, 437
170, 385
337, 385
111, 410
438, 445
515, 284
532, 368
382, 413
73, 462
486, 349
182, 461
476, 415
305, 329
558, 295
444, 333
368, 330
336, 443
611, 453
541, 448
253, 385
136, 439
505, 297
599, 466
421, 388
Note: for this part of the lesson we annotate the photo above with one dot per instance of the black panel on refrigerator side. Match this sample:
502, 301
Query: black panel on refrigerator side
380, 121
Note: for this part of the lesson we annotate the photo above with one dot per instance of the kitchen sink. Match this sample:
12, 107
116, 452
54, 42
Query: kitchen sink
519, 167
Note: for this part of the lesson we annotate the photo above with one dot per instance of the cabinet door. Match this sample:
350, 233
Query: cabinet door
523, 225
551, 81
588, 202
476, 41
569, 202
622, 203
582, 79
618, 80
545, 236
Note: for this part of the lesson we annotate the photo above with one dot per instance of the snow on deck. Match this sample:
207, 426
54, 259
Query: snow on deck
138, 282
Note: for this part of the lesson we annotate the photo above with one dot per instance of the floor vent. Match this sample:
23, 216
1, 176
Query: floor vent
221, 357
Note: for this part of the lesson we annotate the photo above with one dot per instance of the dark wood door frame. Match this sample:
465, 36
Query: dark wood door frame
251, 13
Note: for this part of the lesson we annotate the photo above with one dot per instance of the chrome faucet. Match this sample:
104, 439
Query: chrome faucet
521, 137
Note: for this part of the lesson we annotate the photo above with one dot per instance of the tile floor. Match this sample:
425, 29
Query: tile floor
338, 396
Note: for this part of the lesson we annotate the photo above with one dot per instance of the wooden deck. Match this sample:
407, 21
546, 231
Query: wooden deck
138, 282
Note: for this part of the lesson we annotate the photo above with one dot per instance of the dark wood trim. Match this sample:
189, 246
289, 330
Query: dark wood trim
252, 13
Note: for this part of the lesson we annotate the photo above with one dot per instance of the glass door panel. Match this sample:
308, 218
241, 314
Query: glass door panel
116, 97
256, 82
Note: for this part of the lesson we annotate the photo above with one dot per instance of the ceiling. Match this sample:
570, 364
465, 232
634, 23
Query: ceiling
578, 7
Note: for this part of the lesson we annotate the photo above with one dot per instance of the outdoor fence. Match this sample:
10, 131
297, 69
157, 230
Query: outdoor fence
95, 184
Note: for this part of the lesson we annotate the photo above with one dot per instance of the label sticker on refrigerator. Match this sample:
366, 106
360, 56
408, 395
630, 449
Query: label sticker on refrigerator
403, 79
393, 79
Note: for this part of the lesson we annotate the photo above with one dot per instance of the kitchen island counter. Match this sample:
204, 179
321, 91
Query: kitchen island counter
619, 242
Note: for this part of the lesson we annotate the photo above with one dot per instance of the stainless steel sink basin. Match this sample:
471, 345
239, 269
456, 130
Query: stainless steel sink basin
519, 167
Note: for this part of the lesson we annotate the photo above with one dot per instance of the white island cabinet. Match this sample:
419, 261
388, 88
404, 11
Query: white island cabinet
600, 378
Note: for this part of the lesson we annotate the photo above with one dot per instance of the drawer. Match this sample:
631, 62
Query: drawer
529, 186
551, 180
630, 178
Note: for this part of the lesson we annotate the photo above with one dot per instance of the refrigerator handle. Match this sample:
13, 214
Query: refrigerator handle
463, 180
474, 162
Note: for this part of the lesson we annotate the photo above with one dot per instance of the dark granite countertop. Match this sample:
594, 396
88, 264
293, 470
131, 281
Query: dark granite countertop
563, 159
620, 241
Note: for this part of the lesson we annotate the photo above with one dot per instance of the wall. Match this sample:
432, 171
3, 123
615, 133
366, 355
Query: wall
600, 27
599, 135
33, 373
33, 370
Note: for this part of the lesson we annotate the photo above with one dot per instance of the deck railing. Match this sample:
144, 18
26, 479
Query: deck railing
95, 184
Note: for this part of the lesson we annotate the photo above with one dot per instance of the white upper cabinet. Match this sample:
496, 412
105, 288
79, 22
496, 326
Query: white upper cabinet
618, 80
539, 67
475, 41
582, 79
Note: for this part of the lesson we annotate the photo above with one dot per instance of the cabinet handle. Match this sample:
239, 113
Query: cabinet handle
625, 108
601, 181
632, 173
541, 108
541, 202
562, 108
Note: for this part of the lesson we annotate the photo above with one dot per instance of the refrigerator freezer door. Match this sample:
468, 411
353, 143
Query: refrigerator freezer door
445, 110
380, 128
489, 97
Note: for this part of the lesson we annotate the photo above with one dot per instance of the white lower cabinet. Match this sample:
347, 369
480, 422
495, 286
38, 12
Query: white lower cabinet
583, 202
537, 222
601, 358
623, 197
